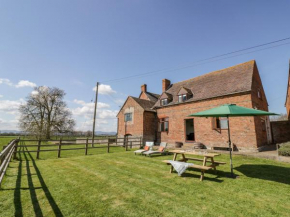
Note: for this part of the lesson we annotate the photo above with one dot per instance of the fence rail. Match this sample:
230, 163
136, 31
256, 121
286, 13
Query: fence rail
62, 144
5, 157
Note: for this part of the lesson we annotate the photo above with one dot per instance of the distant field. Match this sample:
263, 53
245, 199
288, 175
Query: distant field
4, 140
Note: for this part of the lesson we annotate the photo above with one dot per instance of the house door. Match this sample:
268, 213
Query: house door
189, 130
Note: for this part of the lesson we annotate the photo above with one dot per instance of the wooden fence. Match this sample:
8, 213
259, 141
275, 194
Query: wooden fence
62, 145
5, 157
66, 145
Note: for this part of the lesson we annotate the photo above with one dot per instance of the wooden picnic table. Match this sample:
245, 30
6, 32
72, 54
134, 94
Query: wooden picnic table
207, 158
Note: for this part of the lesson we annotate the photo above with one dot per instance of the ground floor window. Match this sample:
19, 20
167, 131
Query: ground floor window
163, 125
220, 123
189, 130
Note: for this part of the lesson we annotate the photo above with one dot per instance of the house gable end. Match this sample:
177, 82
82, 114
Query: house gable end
128, 100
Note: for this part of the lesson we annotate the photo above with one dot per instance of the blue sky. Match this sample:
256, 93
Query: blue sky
74, 44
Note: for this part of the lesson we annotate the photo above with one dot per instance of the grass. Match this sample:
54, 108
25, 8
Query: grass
122, 184
4, 140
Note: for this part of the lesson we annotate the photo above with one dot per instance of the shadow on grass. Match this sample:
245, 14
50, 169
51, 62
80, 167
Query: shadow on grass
197, 174
48, 195
35, 203
266, 172
17, 190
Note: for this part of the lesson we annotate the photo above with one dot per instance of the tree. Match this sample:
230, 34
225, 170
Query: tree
45, 113
281, 117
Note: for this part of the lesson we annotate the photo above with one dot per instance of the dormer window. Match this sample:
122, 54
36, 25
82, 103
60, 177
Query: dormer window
164, 102
182, 98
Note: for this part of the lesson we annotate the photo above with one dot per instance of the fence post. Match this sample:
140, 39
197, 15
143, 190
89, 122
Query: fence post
126, 145
87, 143
38, 149
15, 149
59, 148
108, 150
131, 143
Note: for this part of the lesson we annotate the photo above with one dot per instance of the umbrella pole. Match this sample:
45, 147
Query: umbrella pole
230, 146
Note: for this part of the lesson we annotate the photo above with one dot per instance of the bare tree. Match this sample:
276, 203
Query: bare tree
45, 113
281, 117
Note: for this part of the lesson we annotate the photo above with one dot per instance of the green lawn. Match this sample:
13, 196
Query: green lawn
4, 140
122, 184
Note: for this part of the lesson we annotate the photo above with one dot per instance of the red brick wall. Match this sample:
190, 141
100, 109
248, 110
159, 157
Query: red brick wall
134, 127
281, 131
242, 128
150, 126
261, 104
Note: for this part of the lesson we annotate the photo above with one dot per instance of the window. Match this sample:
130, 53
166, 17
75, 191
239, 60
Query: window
163, 125
220, 123
182, 98
128, 117
164, 101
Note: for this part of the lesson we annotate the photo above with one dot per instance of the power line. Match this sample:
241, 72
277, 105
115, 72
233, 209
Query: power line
206, 59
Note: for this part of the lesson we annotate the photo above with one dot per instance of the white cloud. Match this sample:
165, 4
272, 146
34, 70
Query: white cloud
105, 121
103, 114
5, 81
104, 89
25, 83
87, 109
21, 83
8, 124
1, 96
10, 106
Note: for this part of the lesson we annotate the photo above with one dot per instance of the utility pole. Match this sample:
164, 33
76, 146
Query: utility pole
95, 112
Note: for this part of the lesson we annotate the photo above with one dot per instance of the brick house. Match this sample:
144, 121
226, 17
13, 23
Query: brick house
137, 118
165, 117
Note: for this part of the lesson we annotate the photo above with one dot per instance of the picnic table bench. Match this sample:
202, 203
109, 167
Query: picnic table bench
207, 158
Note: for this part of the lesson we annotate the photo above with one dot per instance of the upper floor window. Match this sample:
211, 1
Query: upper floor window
164, 101
128, 117
182, 98
163, 125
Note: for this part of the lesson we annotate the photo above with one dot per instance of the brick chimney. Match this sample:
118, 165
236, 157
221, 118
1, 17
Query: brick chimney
165, 84
144, 88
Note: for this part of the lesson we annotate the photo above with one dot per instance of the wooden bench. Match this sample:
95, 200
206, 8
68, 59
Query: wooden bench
199, 159
199, 167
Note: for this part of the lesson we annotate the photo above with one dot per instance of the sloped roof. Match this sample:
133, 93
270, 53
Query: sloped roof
145, 104
235, 79
152, 96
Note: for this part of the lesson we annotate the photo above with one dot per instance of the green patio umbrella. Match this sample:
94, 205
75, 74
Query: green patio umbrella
231, 110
